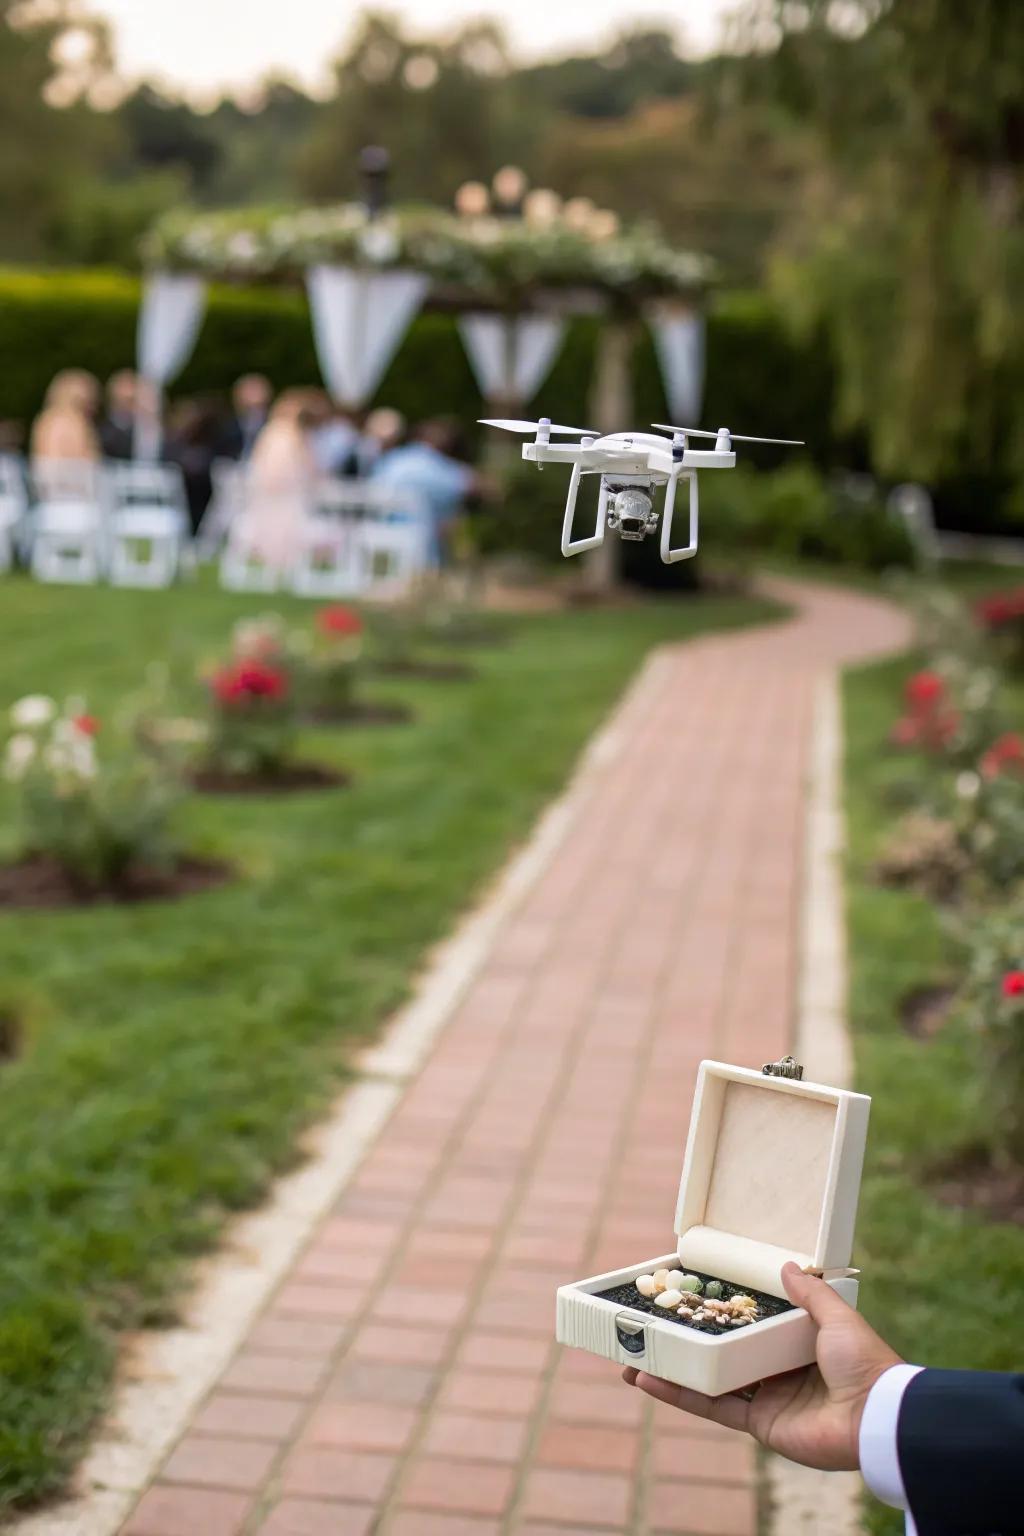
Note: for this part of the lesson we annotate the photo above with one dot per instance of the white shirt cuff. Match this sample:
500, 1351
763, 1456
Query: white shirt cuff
879, 1461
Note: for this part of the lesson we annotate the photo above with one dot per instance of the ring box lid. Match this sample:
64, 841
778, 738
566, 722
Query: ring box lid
771, 1173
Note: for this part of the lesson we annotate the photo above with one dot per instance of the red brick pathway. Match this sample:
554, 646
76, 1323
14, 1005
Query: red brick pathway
404, 1380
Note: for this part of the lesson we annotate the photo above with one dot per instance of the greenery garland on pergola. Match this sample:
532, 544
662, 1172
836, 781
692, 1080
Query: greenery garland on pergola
571, 255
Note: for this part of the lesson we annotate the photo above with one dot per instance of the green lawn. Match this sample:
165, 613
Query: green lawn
942, 1287
174, 1051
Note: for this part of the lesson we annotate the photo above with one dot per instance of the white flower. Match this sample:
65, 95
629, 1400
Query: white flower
967, 785
21, 751
379, 244
34, 710
243, 247
74, 756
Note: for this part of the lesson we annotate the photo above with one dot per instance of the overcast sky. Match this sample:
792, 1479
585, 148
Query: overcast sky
200, 45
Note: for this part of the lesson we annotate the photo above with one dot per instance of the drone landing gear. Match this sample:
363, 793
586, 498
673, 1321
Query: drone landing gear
571, 546
628, 510
685, 551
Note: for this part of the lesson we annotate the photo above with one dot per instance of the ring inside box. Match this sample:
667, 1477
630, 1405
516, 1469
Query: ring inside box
628, 1296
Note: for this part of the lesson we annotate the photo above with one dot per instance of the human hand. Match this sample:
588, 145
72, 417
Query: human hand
812, 1415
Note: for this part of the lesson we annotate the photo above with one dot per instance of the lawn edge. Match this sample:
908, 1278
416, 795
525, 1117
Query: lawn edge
164, 1376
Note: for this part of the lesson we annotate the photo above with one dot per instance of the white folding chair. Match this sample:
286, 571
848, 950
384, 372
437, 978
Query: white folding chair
328, 563
69, 521
392, 542
226, 504
13, 507
149, 539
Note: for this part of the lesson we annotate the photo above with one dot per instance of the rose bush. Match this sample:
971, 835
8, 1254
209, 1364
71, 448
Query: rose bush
89, 797
1002, 618
332, 660
995, 996
252, 716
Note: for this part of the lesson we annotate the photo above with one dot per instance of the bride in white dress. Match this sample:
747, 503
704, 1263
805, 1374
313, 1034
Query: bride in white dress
281, 474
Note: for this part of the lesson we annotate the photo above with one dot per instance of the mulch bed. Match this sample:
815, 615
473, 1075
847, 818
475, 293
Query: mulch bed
40, 882
973, 1183
428, 671
296, 777
924, 1011
628, 1296
363, 714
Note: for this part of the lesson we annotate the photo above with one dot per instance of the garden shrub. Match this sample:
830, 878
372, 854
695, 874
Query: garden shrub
795, 513
88, 797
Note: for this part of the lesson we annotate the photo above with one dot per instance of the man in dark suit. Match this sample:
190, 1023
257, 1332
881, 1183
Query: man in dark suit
946, 1446
251, 399
117, 428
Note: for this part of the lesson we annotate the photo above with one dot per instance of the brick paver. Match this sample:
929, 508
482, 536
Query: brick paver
404, 1379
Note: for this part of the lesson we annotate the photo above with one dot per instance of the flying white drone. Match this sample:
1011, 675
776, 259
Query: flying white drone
631, 465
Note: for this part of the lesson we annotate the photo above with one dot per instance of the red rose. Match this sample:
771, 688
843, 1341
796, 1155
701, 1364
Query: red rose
1001, 609
87, 724
906, 732
1006, 752
1013, 984
339, 620
924, 689
249, 679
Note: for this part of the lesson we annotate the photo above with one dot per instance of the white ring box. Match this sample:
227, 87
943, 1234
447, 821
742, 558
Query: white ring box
771, 1173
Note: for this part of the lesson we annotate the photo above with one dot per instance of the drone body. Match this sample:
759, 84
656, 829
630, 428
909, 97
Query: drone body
632, 467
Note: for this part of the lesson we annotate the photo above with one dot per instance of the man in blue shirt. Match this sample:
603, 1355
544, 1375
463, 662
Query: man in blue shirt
428, 470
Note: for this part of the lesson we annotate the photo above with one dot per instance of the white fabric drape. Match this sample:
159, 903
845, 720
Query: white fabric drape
679, 343
511, 357
359, 319
169, 321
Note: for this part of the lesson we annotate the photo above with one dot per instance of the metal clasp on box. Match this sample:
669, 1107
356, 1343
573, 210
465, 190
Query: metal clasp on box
631, 1334
787, 1067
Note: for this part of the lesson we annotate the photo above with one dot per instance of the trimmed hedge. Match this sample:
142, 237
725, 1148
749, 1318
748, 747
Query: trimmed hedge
759, 379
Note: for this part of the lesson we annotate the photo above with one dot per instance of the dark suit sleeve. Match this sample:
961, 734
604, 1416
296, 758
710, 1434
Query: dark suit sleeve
960, 1443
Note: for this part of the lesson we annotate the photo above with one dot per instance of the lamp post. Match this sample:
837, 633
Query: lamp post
374, 171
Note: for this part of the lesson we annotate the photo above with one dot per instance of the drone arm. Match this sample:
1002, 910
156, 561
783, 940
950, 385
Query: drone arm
571, 546
687, 551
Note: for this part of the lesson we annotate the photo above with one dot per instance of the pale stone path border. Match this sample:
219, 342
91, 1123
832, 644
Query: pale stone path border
534, 1096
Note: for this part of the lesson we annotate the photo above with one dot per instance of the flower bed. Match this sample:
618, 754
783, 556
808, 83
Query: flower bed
937, 1178
95, 813
332, 663
254, 701
962, 840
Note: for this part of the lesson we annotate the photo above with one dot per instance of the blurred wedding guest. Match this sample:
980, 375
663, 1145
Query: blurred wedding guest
189, 443
335, 440
383, 430
117, 427
430, 471
251, 400
66, 426
282, 473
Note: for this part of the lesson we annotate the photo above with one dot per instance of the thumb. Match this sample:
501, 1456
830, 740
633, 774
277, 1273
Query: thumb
819, 1300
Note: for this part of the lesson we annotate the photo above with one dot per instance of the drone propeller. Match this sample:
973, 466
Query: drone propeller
736, 437
527, 427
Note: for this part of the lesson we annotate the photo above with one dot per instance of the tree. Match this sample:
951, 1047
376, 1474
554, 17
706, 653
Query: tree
51, 56
910, 246
437, 107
